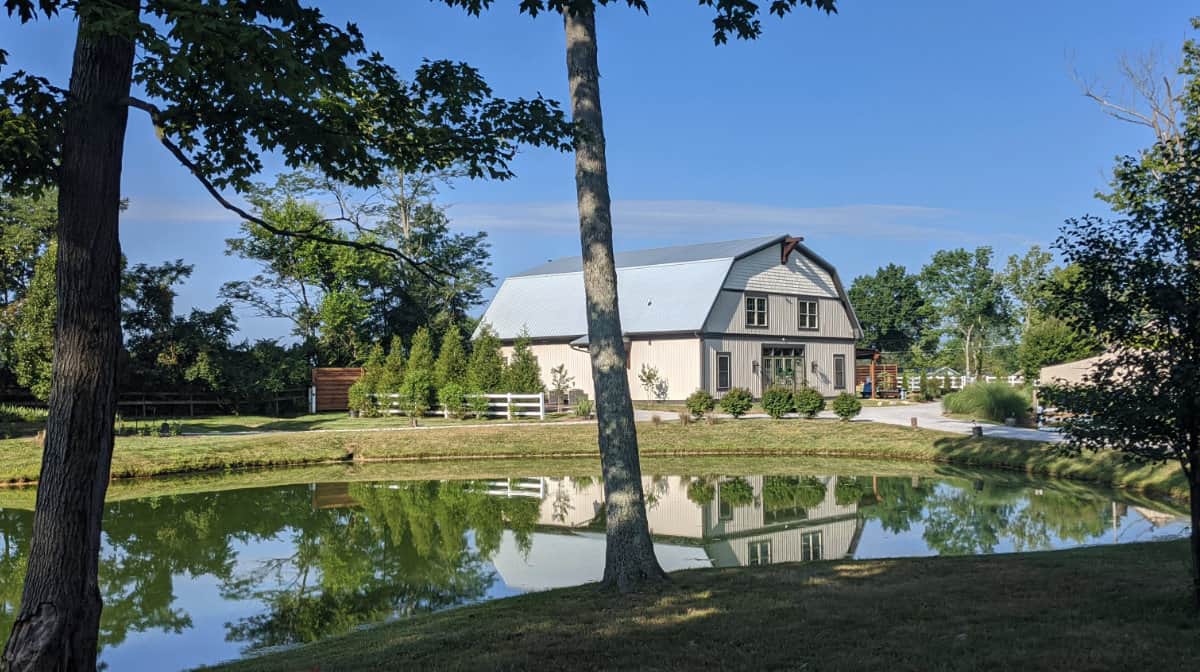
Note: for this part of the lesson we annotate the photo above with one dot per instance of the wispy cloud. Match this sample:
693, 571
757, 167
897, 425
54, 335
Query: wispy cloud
677, 219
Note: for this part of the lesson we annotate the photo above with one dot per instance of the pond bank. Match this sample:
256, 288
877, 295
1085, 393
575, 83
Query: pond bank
1093, 608
153, 456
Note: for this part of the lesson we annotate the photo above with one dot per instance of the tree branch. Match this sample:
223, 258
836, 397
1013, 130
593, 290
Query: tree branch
377, 248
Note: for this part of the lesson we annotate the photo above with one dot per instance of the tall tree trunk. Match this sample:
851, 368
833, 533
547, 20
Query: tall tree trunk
58, 625
629, 557
1194, 492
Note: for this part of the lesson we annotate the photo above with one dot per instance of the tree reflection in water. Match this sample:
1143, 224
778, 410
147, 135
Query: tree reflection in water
316, 561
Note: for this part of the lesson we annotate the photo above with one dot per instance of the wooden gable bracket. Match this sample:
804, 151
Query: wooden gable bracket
787, 247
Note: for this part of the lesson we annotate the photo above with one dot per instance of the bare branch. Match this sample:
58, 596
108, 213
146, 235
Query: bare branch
378, 248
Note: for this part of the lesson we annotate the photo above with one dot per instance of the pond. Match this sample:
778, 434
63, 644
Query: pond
205, 577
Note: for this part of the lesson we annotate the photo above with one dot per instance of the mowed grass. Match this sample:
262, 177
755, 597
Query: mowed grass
1102, 608
152, 456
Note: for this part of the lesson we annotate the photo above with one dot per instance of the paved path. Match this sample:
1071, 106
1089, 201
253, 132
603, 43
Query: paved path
929, 416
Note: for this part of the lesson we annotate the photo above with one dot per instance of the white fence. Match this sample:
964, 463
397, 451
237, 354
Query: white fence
506, 405
958, 382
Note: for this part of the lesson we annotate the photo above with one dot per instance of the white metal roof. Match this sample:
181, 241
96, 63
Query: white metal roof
668, 289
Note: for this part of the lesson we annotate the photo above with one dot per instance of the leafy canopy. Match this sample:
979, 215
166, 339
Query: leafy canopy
739, 18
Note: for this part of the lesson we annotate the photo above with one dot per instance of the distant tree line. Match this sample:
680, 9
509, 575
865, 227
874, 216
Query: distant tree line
962, 311
342, 302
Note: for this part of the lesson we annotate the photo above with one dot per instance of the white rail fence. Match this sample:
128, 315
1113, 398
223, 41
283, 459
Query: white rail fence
958, 382
508, 405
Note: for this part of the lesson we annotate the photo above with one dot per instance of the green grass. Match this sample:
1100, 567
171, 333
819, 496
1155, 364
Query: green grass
20, 420
1101, 608
988, 401
152, 456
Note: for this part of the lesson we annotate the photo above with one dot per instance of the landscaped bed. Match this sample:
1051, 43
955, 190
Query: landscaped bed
151, 456
1100, 608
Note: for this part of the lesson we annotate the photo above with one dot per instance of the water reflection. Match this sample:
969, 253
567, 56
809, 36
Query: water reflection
199, 578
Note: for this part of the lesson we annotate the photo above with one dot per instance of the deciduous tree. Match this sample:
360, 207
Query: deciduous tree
629, 555
968, 297
891, 309
1140, 293
304, 89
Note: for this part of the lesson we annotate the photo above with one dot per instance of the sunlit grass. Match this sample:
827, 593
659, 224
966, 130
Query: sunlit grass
1101, 608
149, 456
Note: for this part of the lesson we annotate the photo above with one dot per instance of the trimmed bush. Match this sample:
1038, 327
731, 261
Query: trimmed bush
988, 401
699, 403
452, 397
737, 402
847, 406
737, 492
478, 403
808, 402
778, 401
701, 491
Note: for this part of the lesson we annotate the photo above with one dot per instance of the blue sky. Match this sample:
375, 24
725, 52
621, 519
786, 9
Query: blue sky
881, 134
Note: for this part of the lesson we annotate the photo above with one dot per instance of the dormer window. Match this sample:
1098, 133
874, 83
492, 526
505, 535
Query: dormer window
756, 311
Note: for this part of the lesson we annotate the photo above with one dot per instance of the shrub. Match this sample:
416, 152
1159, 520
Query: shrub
9, 413
737, 402
701, 491
791, 492
990, 401
808, 402
778, 401
451, 396
522, 374
847, 406
583, 409
700, 402
478, 403
851, 489
737, 492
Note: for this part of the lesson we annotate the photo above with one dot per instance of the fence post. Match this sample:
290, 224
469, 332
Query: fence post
541, 405
508, 407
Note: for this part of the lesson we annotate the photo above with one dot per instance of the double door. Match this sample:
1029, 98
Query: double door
783, 366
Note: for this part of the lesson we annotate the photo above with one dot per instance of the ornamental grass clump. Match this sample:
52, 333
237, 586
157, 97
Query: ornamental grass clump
988, 401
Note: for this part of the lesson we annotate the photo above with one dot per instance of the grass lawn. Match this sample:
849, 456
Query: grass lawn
150, 456
1101, 608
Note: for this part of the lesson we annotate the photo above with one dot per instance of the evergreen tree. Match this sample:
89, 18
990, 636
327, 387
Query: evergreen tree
391, 378
418, 386
451, 364
485, 373
522, 374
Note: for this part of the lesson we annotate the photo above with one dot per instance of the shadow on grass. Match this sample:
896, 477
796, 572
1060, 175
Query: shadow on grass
1095, 608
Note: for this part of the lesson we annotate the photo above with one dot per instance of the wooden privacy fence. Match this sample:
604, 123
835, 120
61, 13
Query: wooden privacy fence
507, 405
331, 388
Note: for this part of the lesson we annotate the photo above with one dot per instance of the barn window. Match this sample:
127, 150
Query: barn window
839, 372
722, 371
807, 311
756, 311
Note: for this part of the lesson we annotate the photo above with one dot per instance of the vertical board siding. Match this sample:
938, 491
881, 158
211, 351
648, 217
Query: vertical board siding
333, 387
677, 361
762, 272
743, 352
728, 316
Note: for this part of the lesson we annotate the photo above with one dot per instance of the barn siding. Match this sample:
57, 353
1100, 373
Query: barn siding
728, 316
745, 351
677, 360
762, 272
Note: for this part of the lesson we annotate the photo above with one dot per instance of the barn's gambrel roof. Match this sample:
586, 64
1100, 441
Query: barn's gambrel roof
662, 290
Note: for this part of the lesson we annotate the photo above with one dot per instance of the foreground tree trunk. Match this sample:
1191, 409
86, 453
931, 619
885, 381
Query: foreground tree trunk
629, 557
58, 624
1194, 492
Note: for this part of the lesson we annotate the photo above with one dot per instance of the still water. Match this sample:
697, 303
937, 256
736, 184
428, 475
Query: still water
200, 578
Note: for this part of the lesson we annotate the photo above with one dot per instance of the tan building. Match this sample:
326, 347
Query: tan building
712, 316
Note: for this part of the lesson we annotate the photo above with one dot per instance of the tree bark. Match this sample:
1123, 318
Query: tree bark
58, 624
1194, 491
629, 557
